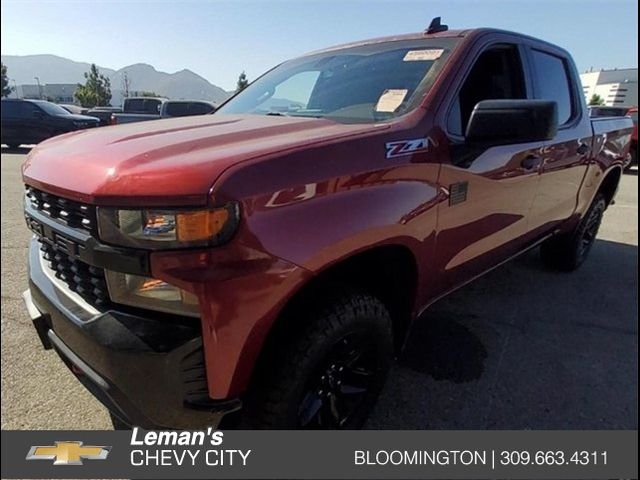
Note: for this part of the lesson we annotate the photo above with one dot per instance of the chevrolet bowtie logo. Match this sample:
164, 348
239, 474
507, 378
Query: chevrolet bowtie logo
68, 453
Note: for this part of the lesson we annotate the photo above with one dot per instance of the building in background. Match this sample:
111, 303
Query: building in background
618, 88
54, 92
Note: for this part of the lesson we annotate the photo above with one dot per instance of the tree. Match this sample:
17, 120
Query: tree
6, 89
596, 100
96, 92
147, 93
242, 82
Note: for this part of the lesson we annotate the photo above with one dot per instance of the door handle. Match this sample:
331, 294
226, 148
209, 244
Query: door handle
531, 162
583, 149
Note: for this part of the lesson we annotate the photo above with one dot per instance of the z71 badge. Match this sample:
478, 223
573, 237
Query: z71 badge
407, 147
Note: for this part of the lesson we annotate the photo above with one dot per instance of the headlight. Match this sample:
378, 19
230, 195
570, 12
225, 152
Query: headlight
151, 293
162, 229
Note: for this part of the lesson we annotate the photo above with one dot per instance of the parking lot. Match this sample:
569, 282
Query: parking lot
520, 348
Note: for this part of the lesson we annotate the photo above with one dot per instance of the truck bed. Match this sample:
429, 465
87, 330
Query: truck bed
611, 138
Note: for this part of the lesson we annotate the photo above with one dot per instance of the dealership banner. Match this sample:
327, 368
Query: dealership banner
324, 454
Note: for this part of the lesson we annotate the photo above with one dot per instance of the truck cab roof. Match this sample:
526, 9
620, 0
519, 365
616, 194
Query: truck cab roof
458, 33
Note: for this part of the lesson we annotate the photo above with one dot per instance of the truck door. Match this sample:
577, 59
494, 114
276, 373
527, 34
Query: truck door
33, 123
490, 189
566, 157
10, 122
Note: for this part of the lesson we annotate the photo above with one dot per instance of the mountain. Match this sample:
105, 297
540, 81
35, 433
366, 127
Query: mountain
54, 69
48, 68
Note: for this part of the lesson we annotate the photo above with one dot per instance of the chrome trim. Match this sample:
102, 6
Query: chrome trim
31, 308
64, 288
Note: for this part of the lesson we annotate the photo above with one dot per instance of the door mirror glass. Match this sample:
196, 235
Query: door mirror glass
512, 121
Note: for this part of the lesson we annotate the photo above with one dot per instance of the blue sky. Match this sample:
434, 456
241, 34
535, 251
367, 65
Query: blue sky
219, 39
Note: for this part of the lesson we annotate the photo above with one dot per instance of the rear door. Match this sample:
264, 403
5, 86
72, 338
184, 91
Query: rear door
491, 189
566, 157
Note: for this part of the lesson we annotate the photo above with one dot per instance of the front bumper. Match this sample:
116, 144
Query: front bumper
148, 371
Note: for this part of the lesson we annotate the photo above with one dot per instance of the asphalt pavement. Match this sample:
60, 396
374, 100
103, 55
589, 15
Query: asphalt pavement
520, 348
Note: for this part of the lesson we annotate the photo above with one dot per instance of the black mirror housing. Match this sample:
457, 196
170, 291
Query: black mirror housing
512, 121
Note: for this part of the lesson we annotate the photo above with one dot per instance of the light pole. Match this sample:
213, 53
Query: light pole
39, 87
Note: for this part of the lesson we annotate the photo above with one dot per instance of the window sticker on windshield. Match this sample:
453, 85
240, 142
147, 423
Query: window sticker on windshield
423, 55
390, 100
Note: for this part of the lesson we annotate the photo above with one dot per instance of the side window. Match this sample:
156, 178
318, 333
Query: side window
552, 82
496, 75
27, 110
177, 109
134, 105
152, 106
200, 108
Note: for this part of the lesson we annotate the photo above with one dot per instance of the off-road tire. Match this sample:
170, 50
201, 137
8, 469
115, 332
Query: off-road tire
276, 397
566, 252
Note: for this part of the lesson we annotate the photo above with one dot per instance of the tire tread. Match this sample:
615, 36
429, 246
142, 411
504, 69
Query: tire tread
337, 308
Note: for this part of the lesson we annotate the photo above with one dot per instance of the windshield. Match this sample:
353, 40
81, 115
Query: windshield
360, 84
52, 108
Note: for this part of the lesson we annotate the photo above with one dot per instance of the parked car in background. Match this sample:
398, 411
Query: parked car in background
75, 109
602, 111
138, 109
104, 114
633, 113
186, 108
168, 109
32, 121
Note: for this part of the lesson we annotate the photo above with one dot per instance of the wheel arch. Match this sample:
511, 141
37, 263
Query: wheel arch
388, 272
609, 184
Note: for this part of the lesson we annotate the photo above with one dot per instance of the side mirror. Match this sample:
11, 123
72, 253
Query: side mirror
512, 121
37, 114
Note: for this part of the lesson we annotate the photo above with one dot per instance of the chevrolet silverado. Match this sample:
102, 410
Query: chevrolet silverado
262, 266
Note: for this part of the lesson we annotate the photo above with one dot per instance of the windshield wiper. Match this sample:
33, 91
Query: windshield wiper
276, 114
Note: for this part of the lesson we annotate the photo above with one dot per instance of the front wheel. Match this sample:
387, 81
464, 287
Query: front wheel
568, 251
330, 374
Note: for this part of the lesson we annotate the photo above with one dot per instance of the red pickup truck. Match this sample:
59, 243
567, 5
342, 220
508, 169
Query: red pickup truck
262, 266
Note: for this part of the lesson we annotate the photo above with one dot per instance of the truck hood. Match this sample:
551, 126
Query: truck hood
167, 162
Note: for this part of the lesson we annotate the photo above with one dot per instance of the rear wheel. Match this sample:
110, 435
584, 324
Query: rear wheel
330, 375
568, 251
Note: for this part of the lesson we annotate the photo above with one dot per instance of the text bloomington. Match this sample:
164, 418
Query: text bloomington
420, 457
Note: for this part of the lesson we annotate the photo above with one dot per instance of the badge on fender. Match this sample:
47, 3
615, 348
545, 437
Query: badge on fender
406, 147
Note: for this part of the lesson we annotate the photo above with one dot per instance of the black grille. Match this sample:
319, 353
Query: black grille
85, 280
72, 214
